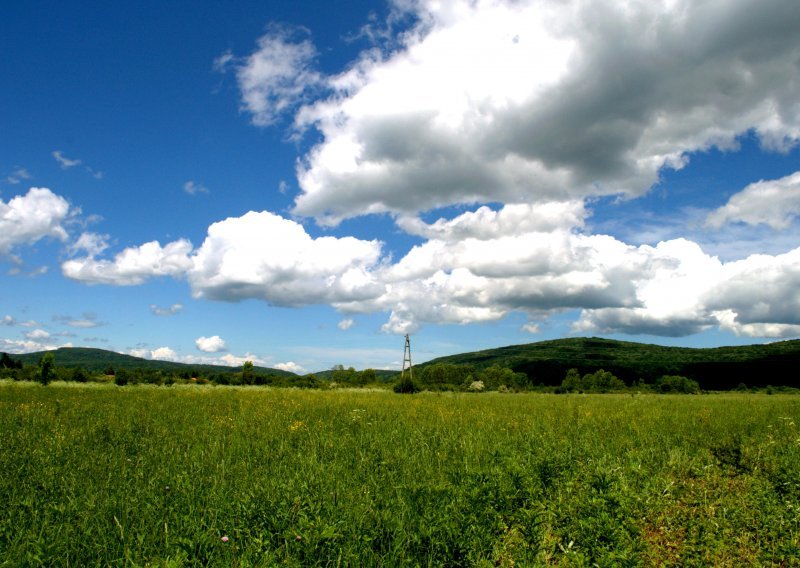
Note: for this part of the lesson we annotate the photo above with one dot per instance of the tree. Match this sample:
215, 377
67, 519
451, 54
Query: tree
572, 381
46, 368
7, 362
677, 384
247, 372
121, 378
79, 375
366, 377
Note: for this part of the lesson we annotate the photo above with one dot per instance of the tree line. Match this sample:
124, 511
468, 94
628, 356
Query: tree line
430, 377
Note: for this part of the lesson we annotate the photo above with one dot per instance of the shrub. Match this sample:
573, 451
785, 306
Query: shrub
405, 386
476, 386
677, 384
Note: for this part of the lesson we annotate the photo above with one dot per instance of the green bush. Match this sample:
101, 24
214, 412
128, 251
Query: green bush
677, 384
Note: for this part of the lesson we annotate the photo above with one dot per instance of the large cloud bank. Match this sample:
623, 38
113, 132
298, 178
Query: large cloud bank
536, 106
504, 101
469, 272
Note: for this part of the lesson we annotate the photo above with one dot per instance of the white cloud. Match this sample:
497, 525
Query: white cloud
172, 310
235, 361
275, 77
134, 265
774, 202
262, 255
728, 322
28, 218
531, 328
345, 324
92, 244
37, 335
759, 290
8, 320
515, 102
193, 188
511, 219
481, 266
292, 367
213, 344
15, 346
164, 354
63, 161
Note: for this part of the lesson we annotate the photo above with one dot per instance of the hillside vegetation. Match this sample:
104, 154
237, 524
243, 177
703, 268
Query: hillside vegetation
575, 364
98, 360
721, 368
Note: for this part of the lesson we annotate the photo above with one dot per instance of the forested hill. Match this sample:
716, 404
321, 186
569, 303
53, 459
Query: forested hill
98, 360
720, 368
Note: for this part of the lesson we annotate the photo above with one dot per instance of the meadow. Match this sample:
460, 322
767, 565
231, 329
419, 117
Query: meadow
98, 475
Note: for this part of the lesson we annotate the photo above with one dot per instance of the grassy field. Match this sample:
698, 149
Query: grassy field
96, 475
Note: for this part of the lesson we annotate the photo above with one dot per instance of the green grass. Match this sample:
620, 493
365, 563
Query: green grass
96, 475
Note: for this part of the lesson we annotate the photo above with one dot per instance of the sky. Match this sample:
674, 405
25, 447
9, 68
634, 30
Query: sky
302, 183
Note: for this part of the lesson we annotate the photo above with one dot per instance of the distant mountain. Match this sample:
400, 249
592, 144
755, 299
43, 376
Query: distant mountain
720, 368
98, 360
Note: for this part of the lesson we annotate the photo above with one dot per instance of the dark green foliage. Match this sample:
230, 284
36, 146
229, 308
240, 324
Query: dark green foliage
7, 362
600, 381
677, 384
47, 370
106, 362
79, 375
247, 373
722, 368
367, 377
121, 378
405, 385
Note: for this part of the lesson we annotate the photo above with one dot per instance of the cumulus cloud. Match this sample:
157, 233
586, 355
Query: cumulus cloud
511, 219
236, 361
37, 335
761, 289
493, 101
28, 218
292, 367
478, 267
345, 324
16, 346
773, 202
8, 320
164, 354
274, 78
262, 255
132, 266
213, 344
90, 243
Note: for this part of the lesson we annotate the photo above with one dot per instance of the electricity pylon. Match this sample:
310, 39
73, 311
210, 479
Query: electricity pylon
407, 360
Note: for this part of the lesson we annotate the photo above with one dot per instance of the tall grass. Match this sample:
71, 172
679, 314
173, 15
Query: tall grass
191, 476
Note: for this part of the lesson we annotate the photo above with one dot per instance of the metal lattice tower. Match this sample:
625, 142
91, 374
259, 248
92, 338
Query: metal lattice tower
407, 360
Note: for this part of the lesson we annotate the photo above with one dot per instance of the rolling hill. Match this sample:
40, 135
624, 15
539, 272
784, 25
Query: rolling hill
547, 362
97, 360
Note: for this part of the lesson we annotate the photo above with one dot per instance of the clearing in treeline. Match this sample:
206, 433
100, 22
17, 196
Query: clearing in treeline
95, 475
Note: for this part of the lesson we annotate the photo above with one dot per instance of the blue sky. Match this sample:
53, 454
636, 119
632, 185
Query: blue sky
302, 183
